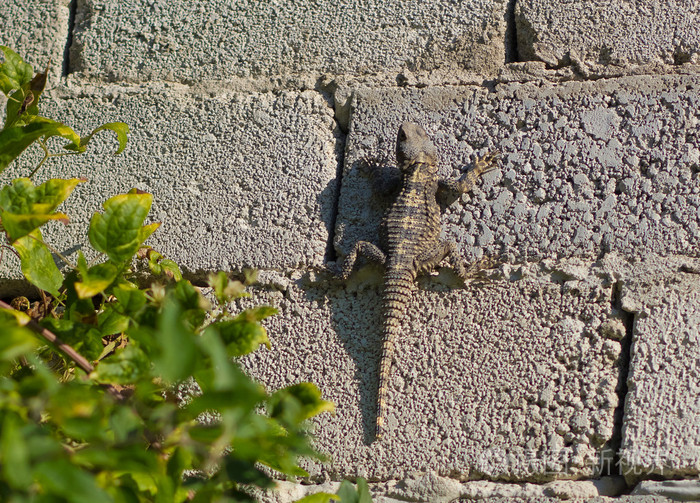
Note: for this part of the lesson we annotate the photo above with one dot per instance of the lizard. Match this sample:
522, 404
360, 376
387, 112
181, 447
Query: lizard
410, 238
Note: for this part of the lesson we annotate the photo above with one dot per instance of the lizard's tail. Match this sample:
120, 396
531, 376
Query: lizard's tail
398, 288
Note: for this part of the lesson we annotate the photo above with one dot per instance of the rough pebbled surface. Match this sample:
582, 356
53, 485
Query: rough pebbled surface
586, 168
239, 180
506, 379
590, 32
37, 31
661, 432
223, 40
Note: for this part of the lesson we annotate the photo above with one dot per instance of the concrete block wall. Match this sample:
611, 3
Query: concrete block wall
571, 370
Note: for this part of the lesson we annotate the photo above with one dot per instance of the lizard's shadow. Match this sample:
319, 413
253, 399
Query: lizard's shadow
355, 318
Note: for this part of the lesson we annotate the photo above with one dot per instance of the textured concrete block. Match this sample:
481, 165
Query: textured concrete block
586, 168
617, 33
200, 40
505, 379
37, 31
661, 429
238, 180
676, 490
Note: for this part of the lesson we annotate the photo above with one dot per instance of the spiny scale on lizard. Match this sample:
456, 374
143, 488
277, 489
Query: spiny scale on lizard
410, 237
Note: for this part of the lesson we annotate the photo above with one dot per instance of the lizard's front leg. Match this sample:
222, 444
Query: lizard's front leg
468, 180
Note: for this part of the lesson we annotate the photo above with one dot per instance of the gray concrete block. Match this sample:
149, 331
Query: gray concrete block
676, 490
504, 379
608, 33
661, 428
239, 180
37, 31
586, 168
227, 40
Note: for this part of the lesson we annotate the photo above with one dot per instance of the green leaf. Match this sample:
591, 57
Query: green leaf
298, 402
126, 366
245, 472
118, 232
178, 352
25, 207
14, 453
63, 479
319, 498
14, 72
96, 280
171, 269
111, 321
349, 494
363, 491
224, 289
241, 337
118, 127
15, 139
37, 263
257, 313
131, 300
22, 107
83, 337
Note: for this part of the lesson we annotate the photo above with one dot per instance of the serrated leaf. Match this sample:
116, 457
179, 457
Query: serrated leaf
118, 127
37, 263
241, 337
96, 280
118, 232
15, 139
14, 72
24, 207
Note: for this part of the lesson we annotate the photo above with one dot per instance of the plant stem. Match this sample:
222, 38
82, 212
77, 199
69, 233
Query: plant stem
79, 359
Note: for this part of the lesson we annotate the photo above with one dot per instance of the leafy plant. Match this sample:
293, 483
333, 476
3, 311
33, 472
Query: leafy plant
89, 375
347, 493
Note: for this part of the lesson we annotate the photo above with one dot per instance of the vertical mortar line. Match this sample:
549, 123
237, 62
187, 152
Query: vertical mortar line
511, 37
72, 8
627, 319
340, 145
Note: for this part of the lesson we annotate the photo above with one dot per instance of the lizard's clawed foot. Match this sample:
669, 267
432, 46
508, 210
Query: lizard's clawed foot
487, 163
486, 262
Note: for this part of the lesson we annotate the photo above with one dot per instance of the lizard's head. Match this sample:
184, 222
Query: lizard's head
413, 146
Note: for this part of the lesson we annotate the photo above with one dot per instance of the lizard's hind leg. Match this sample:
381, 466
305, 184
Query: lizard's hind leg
367, 250
429, 259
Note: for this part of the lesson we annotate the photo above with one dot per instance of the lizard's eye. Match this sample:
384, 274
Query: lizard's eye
402, 135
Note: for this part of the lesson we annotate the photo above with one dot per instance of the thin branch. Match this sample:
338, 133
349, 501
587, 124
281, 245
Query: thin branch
42, 143
79, 359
